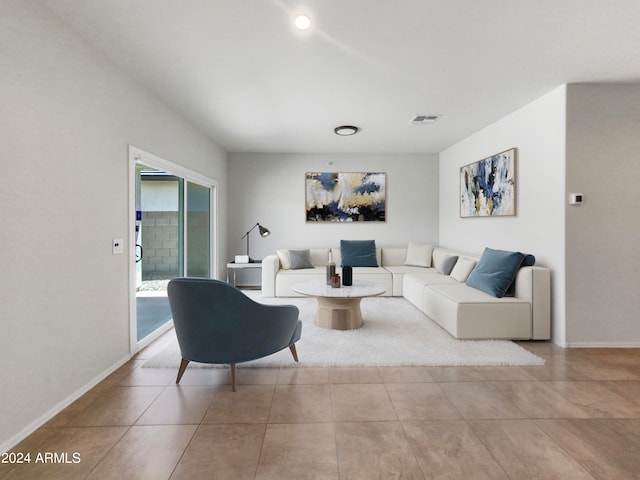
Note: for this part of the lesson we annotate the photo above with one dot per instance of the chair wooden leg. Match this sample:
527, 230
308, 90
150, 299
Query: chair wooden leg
183, 367
233, 377
292, 347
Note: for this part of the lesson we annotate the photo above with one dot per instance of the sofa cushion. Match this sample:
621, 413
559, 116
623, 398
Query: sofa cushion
393, 256
447, 265
469, 313
430, 277
283, 255
495, 271
462, 269
358, 253
300, 259
320, 256
418, 255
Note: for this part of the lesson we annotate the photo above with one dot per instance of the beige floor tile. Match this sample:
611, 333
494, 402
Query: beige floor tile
256, 376
538, 400
375, 450
404, 374
113, 379
73, 410
506, 374
222, 452
361, 403
596, 399
149, 376
601, 367
455, 374
145, 452
354, 375
477, 400
556, 368
179, 405
301, 404
421, 401
119, 406
298, 452
205, 376
79, 450
608, 449
450, 450
524, 451
623, 357
249, 404
542, 347
298, 376
30, 445
368, 403
629, 390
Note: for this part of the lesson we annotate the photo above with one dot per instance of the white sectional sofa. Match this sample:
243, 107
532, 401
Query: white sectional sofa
277, 282
465, 312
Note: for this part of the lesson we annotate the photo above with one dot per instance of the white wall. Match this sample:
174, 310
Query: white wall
270, 189
603, 234
67, 118
537, 130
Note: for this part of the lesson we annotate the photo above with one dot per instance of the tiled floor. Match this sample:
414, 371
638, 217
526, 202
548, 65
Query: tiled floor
577, 417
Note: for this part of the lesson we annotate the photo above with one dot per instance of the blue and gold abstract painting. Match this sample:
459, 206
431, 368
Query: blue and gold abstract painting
488, 187
345, 197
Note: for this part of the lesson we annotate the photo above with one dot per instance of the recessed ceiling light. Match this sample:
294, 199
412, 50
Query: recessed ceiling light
302, 22
346, 130
424, 119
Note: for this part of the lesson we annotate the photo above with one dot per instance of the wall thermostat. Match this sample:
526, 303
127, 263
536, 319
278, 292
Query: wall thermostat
575, 199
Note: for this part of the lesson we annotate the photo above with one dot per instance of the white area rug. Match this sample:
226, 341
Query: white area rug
395, 333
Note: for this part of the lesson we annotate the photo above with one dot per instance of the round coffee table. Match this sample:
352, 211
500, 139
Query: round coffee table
339, 308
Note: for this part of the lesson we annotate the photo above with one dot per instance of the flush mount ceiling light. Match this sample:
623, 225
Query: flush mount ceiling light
346, 130
424, 119
302, 22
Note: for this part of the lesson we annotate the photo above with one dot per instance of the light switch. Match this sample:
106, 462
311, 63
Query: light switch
118, 246
575, 198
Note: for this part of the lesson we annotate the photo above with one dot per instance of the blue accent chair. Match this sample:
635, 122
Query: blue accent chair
217, 323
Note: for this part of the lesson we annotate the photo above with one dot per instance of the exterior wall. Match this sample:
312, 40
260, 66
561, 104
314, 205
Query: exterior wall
160, 245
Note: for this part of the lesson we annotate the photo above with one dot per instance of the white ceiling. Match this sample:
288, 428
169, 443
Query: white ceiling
240, 71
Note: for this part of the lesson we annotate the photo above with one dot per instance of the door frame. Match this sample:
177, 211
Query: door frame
137, 155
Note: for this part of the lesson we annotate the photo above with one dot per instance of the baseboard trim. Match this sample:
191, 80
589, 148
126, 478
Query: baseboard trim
602, 345
33, 426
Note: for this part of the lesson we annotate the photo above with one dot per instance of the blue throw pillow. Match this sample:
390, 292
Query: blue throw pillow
495, 271
529, 261
358, 253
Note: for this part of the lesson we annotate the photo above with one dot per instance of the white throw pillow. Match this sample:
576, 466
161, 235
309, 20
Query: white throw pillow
462, 269
283, 255
419, 255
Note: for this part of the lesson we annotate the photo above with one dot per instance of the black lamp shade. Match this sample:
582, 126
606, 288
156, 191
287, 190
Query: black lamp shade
264, 232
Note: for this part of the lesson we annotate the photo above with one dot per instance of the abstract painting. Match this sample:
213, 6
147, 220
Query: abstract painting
345, 197
488, 187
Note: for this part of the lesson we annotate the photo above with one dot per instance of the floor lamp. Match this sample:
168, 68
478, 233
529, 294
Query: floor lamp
264, 232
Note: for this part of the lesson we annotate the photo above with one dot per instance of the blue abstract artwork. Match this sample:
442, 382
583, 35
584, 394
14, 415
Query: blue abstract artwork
488, 187
345, 197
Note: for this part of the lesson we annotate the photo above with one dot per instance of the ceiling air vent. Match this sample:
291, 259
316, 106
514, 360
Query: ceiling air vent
424, 119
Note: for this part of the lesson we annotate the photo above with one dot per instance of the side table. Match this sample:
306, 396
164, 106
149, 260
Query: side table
233, 267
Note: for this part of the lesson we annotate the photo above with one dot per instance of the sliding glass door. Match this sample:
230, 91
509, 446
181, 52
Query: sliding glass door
173, 238
198, 230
